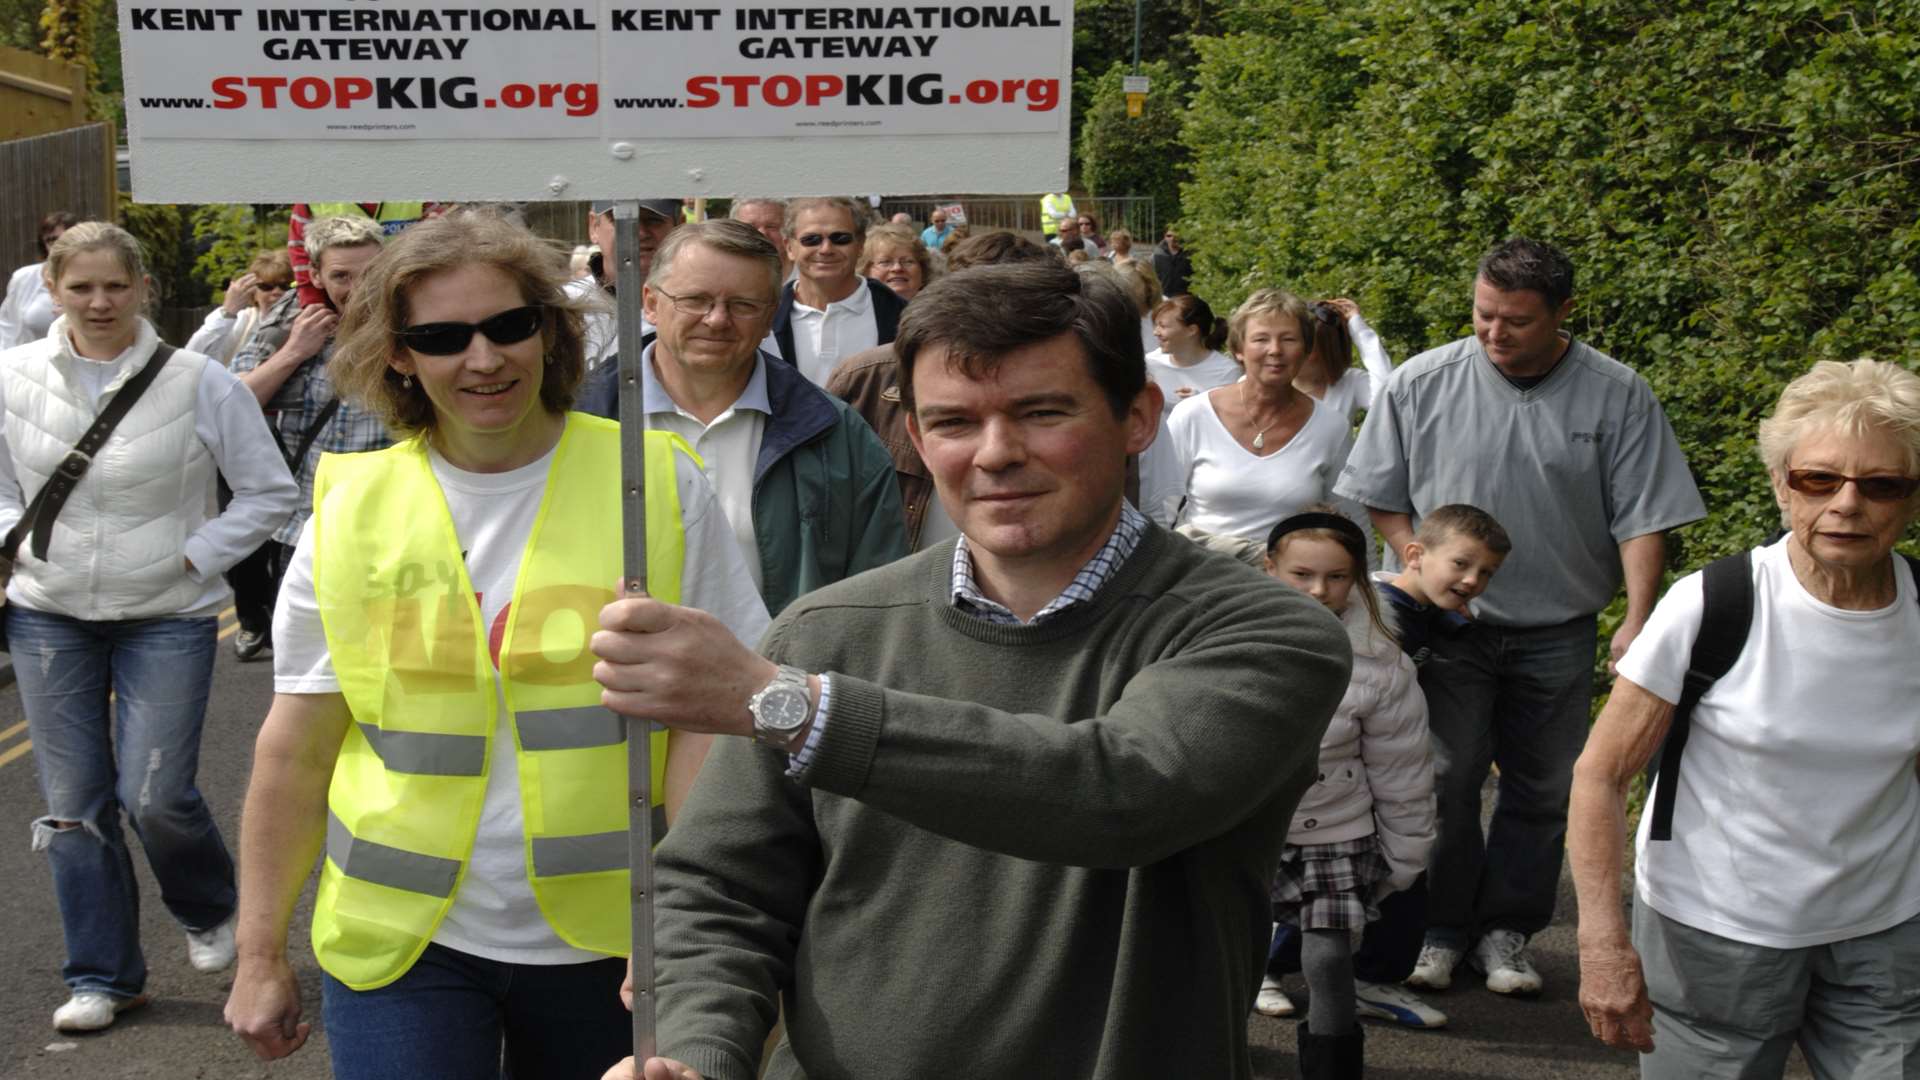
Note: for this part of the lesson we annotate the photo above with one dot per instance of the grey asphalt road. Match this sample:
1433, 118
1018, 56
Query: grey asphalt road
181, 1036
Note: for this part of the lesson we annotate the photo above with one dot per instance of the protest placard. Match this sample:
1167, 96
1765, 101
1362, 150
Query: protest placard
554, 100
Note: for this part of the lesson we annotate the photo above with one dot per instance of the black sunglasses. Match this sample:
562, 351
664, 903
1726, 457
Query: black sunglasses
837, 239
1819, 482
446, 338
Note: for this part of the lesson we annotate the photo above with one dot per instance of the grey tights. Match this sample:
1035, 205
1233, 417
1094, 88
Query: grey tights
1326, 959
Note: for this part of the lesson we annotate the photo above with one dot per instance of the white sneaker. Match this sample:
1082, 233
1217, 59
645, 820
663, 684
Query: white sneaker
1502, 956
1386, 1001
1272, 1001
212, 950
92, 1010
1434, 971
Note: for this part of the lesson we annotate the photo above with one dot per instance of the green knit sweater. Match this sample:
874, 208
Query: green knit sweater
1021, 851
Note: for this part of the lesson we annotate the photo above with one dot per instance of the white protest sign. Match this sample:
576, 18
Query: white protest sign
258, 100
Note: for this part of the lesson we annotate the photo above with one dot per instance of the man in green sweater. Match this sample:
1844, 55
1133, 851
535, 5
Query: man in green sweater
1008, 807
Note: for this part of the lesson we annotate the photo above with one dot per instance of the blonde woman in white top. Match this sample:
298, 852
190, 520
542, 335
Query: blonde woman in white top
111, 610
1253, 452
1785, 907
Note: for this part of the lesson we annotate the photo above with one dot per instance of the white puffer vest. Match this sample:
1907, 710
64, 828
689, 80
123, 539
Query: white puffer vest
118, 549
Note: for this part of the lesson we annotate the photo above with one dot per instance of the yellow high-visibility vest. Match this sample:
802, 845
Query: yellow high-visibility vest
1054, 206
392, 216
410, 650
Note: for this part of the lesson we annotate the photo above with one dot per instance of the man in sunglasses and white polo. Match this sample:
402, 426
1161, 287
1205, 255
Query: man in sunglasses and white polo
285, 365
1568, 449
805, 483
828, 311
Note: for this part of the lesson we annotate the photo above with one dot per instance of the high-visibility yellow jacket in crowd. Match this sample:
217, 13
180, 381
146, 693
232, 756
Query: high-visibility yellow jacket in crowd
410, 650
1053, 207
392, 216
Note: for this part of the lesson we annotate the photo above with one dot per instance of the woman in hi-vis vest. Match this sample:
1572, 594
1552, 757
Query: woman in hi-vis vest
436, 730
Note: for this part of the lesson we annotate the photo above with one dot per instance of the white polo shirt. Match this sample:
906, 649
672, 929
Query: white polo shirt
824, 337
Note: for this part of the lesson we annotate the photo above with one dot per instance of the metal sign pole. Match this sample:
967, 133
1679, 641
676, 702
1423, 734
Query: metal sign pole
633, 517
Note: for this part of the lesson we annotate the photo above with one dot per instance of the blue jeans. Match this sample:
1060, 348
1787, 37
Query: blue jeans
1519, 699
139, 755
446, 1019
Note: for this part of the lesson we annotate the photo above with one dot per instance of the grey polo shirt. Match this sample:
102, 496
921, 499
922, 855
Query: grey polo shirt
1572, 467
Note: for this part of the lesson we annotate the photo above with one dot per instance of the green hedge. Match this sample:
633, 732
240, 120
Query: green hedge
1738, 185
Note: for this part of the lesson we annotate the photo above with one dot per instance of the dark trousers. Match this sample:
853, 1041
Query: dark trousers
256, 583
1388, 950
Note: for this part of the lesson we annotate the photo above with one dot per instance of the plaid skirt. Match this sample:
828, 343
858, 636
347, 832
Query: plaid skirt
1328, 886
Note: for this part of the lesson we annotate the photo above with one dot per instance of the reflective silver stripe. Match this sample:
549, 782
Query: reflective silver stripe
578, 728
426, 754
556, 855
407, 871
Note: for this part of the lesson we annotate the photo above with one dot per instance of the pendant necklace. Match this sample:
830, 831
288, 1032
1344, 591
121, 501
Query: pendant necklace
1260, 436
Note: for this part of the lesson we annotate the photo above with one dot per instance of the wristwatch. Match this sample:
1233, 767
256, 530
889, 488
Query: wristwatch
781, 708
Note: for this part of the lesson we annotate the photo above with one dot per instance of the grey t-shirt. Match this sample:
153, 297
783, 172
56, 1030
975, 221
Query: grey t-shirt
1571, 467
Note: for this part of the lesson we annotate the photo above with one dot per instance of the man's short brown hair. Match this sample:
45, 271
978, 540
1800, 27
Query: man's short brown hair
982, 314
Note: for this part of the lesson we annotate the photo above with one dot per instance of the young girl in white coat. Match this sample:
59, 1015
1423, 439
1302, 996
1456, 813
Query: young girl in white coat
1363, 830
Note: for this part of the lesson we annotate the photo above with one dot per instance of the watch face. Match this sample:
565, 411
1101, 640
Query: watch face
784, 708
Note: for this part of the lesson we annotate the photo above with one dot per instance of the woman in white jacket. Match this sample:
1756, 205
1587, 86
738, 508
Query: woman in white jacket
28, 309
1363, 830
248, 297
115, 599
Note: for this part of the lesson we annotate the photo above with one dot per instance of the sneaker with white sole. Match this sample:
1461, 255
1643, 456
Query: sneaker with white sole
1272, 1001
1434, 970
93, 1010
1501, 956
1396, 1004
212, 950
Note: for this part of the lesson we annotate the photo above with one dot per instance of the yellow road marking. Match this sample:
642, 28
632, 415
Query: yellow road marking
7, 756
228, 632
12, 731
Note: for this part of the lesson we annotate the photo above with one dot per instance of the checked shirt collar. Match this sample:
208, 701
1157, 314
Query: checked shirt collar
1095, 574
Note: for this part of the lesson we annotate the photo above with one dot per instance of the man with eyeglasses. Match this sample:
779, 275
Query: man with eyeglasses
829, 311
285, 365
657, 218
806, 486
769, 217
1570, 450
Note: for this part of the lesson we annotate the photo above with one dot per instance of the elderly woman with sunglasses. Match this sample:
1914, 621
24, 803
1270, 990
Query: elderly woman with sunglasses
1785, 908
248, 297
436, 731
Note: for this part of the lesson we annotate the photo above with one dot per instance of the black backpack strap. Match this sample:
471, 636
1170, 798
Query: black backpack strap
37, 521
1726, 588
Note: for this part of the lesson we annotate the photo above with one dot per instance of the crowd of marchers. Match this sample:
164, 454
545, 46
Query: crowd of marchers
1041, 669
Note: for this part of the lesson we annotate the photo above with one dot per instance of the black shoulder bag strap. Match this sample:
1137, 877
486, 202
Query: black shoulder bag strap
312, 433
46, 504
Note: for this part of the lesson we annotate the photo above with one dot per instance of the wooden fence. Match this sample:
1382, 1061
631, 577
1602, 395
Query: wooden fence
69, 170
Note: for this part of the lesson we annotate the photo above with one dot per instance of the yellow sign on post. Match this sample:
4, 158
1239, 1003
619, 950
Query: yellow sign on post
1135, 87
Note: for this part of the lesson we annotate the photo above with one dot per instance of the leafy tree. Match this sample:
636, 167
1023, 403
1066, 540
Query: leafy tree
1103, 38
1120, 155
227, 236
1738, 186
